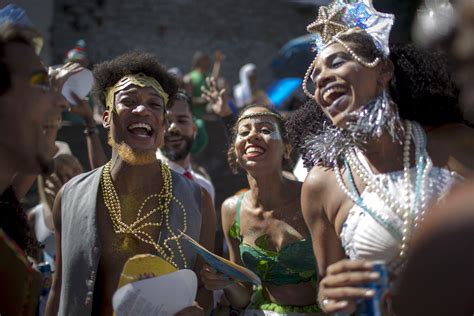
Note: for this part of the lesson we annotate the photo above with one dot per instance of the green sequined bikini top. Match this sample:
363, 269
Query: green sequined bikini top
294, 263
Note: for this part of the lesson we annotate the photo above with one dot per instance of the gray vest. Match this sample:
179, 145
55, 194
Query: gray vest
79, 239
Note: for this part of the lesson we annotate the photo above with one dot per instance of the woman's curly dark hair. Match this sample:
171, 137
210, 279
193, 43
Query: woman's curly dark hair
300, 124
231, 157
422, 87
108, 73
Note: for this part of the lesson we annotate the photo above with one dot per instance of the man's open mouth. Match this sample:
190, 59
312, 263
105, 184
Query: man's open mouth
140, 129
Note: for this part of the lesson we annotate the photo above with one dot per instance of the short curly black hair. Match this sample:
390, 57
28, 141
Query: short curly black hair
423, 89
231, 157
108, 73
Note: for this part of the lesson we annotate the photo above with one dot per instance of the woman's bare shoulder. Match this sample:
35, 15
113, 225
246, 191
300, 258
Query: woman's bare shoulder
318, 179
229, 207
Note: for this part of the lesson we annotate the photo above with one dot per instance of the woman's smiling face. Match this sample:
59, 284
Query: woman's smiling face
343, 85
259, 141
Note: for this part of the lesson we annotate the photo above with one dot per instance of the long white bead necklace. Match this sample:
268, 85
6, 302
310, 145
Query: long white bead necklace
420, 137
412, 209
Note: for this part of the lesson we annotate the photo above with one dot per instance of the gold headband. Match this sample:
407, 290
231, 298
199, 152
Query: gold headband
139, 79
258, 114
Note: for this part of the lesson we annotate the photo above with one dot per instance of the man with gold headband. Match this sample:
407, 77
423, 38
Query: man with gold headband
132, 205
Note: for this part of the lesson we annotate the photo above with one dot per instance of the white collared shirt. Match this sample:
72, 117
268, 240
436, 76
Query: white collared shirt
198, 178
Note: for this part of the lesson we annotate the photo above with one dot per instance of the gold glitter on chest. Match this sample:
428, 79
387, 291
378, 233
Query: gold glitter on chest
139, 228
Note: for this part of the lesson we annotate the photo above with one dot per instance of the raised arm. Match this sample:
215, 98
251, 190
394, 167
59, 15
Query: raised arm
216, 68
95, 150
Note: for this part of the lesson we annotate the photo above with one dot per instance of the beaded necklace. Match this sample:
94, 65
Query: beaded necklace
411, 211
137, 228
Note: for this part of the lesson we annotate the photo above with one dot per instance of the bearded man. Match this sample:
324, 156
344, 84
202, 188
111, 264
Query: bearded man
134, 204
179, 139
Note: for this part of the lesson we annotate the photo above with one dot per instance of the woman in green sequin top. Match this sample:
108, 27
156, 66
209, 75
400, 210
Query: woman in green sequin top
264, 227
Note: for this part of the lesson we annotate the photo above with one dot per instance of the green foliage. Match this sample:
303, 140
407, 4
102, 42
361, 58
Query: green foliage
234, 231
262, 243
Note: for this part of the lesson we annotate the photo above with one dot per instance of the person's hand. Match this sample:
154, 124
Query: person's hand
214, 280
59, 76
52, 184
193, 310
83, 109
217, 98
341, 288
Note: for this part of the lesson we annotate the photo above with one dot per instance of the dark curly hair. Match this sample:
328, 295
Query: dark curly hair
300, 124
422, 87
108, 73
231, 157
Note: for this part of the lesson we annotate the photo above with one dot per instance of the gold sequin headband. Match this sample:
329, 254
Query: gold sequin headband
139, 79
258, 114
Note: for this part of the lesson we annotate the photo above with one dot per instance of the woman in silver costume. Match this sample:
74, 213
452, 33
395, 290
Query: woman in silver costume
374, 169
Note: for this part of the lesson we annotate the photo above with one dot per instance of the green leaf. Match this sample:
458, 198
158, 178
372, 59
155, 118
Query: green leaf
234, 231
262, 267
306, 274
262, 243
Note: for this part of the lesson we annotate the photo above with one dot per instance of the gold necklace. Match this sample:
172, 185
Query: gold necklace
136, 229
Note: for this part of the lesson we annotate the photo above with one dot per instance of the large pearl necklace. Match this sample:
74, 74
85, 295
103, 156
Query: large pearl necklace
411, 209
